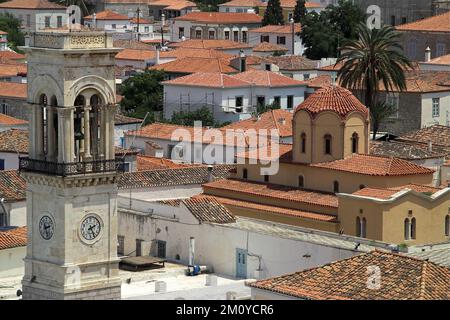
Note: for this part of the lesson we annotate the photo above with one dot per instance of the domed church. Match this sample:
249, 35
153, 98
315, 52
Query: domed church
327, 179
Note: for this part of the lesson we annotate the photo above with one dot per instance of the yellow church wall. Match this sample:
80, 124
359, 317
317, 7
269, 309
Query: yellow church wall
321, 179
385, 222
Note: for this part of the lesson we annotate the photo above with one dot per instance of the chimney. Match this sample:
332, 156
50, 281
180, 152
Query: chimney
282, 121
430, 146
427, 54
191, 250
242, 62
210, 175
94, 21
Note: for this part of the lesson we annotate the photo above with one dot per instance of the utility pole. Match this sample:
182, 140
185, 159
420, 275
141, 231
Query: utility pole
162, 30
138, 23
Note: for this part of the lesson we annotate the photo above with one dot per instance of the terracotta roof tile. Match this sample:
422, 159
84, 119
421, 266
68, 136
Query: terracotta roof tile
208, 209
278, 119
209, 44
10, 121
132, 44
242, 3
439, 135
173, 4
209, 79
402, 278
374, 166
13, 237
287, 29
269, 47
145, 163
13, 90
333, 98
8, 70
273, 191
221, 17
320, 81
267, 79
108, 15
120, 119
293, 62
439, 23
11, 55
31, 4
192, 65
14, 141
136, 55
440, 60
12, 186
141, 21
172, 176
405, 150
277, 210
183, 52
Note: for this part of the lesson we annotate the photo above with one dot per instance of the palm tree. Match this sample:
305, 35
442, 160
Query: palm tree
373, 59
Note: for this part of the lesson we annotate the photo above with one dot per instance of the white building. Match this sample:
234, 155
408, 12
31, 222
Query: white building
13, 249
285, 35
36, 14
231, 97
122, 26
244, 248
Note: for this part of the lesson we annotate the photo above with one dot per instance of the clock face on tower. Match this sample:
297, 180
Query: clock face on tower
90, 228
46, 227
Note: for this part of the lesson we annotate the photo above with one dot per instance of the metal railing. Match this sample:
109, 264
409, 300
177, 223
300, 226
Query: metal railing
70, 169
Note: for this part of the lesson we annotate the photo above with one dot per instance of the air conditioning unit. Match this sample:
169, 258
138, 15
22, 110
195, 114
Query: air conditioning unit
178, 152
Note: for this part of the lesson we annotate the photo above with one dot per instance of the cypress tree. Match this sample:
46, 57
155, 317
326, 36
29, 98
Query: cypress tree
273, 13
299, 11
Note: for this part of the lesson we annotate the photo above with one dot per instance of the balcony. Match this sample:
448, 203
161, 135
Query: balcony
71, 169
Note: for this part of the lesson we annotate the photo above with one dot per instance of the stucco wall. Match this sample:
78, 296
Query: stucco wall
11, 262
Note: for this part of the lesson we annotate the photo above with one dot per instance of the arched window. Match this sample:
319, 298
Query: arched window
303, 142
363, 227
358, 226
245, 174
335, 187
301, 181
447, 225
407, 229
413, 228
355, 140
327, 143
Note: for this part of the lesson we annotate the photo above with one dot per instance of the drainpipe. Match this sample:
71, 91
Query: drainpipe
2, 200
191, 251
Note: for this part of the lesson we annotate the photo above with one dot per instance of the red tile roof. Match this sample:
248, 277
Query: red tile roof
31, 4
209, 44
440, 60
287, 29
151, 163
402, 278
13, 90
273, 191
292, 3
211, 80
267, 79
141, 21
221, 17
374, 166
335, 99
387, 193
242, 3
136, 55
437, 134
277, 210
439, 23
10, 121
12, 186
278, 119
208, 209
269, 47
173, 4
13, 237
192, 65
8, 69
108, 15
14, 141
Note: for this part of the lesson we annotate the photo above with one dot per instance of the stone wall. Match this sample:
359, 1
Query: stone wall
414, 44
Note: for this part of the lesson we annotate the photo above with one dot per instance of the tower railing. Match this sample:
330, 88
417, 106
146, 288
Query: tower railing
71, 169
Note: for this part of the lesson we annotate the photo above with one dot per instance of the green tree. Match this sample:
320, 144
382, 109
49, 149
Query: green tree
11, 25
324, 33
378, 113
273, 14
299, 11
373, 59
260, 109
187, 118
143, 93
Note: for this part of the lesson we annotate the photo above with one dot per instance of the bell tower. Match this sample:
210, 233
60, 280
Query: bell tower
71, 169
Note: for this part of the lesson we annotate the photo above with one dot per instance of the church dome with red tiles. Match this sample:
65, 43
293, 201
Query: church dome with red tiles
333, 98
